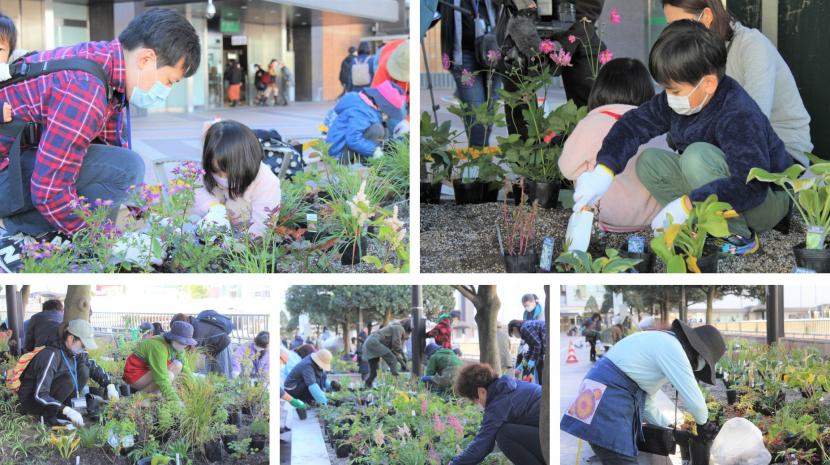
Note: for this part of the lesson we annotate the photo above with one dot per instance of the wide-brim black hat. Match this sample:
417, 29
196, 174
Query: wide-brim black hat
707, 341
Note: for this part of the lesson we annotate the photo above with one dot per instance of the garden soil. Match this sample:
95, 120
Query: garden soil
462, 239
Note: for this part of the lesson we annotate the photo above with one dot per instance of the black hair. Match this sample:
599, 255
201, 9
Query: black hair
363, 49
234, 149
179, 317
52, 304
8, 32
262, 339
407, 325
722, 24
514, 324
167, 33
530, 298
621, 81
685, 52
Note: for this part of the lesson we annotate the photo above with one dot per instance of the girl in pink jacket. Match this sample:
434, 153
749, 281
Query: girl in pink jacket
239, 191
622, 84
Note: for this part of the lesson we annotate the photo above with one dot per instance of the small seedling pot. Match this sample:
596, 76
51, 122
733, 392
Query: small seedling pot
814, 259
343, 450
227, 440
352, 254
431, 193
302, 413
731, 396
699, 450
546, 193
213, 450
258, 443
235, 418
521, 263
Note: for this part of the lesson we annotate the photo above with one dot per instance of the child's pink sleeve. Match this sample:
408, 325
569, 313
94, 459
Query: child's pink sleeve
265, 198
580, 151
203, 201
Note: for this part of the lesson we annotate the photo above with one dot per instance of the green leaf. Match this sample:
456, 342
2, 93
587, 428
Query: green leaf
676, 264
372, 260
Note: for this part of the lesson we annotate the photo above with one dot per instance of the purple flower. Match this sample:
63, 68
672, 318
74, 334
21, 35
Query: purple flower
561, 58
493, 56
547, 46
468, 79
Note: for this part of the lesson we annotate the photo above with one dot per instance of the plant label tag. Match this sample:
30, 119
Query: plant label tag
797, 269
78, 403
815, 237
311, 221
470, 172
636, 244
547, 254
578, 235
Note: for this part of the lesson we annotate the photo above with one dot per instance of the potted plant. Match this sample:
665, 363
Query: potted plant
477, 175
436, 160
259, 434
350, 220
518, 237
811, 196
681, 246
577, 261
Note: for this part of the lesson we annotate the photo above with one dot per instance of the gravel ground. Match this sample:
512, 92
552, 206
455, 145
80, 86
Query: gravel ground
462, 239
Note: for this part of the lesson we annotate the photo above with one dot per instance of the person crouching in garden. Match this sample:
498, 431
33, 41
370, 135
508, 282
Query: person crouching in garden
442, 332
442, 368
52, 385
386, 344
716, 127
156, 362
511, 416
617, 394
308, 380
534, 334
240, 192
253, 354
357, 132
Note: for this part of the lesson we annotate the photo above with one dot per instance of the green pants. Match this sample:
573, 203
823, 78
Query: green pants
668, 176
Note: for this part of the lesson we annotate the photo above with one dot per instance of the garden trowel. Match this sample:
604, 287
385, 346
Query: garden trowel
578, 235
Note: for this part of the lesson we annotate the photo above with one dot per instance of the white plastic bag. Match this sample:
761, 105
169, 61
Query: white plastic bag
740, 442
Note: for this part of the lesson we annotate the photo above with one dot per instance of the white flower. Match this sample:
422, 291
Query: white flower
358, 201
396, 225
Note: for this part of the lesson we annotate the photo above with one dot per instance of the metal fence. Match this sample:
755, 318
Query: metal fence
813, 328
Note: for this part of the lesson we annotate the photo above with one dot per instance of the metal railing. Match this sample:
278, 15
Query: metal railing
812, 328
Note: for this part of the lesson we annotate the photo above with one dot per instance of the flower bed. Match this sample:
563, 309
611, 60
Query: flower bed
332, 218
401, 425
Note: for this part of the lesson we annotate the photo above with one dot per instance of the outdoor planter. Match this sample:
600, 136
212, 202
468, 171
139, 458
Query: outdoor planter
521, 263
431, 193
258, 443
213, 450
814, 259
227, 440
353, 252
546, 193
475, 192
731, 396
699, 450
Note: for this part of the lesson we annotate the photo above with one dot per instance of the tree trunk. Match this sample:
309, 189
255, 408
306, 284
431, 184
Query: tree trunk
666, 305
544, 416
487, 304
387, 317
360, 320
710, 303
347, 341
77, 305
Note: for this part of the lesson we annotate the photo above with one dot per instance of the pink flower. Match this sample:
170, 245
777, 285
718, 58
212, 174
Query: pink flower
456, 425
434, 458
547, 46
438, 425
445, 61
571, 38
561, 58
615, 16
467, 78
605, 56
549, 137
493, 57
424, 407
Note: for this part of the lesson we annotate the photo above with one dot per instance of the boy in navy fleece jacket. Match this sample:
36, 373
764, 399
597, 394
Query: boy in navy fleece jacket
716, 127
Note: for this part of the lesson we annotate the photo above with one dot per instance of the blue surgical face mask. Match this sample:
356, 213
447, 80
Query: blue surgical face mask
155, 97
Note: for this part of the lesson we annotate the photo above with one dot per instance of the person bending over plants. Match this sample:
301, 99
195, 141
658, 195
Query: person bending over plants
534, 334
254, 353
239, 189
386, 344
308, 380
716, 127
442, 332
622, 385
442, 367
622, 85
157, 362
52, 384
511, 416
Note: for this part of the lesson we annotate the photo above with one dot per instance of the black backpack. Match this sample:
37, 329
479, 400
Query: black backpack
27, 132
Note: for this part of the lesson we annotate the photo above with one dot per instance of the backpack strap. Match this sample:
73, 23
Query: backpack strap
22, 71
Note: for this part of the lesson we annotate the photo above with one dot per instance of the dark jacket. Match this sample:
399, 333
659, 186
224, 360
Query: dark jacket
235, 75
508, 401
45, 367
42, 328
304, 375
346, 70
210, 337
731, 121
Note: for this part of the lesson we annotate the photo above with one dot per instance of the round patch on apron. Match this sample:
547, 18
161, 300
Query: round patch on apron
587, 401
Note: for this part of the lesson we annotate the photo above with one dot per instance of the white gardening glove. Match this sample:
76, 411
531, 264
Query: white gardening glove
112, 393
678, 210
591, 186
214, 223
401, 129
74, 417
378, 152
138, 248
5, 72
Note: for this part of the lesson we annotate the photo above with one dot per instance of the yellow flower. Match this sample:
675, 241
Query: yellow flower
728, 214
323, 128
691, 262
671, 234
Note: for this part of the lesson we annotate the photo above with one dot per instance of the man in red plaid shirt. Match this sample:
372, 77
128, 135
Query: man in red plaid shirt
83, 148
442, 333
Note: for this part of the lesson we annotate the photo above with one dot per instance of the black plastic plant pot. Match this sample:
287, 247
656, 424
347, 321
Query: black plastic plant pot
227, 440
699, 450
708, 263
353, 251
814, 259
431, 193
258, 443
682, 437
546, 193
521, 263
731, 396
213, 450
124, 390
302, 413
647, 260
246, 410
474, 192
235, 418
343, 450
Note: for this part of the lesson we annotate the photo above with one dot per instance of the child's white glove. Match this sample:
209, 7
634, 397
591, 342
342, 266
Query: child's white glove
214, 223
112, 393
74, 416
139, 249
401, 129
591, 186
678, 210
5, 72
378, 152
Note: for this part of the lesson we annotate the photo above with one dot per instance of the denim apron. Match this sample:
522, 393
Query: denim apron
608, 410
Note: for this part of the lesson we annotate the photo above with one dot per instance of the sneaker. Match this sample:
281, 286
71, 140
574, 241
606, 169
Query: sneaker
738, 245
11, 249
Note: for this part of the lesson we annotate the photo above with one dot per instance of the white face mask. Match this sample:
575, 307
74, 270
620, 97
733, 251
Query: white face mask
529, 308
681, 105
77, 348
701, 363
178, 347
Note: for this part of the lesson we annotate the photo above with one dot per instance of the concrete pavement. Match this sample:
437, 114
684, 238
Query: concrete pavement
571, 375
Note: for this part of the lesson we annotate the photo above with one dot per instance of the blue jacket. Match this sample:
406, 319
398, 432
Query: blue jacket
354, 116
731, 121
508, 401
305, 375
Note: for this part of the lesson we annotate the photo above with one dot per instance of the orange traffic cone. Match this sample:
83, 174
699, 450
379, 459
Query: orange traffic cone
571, 354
